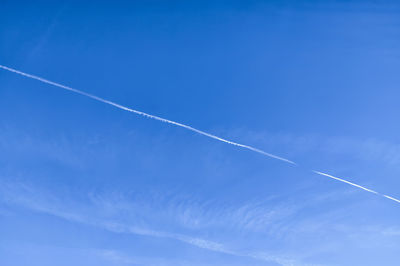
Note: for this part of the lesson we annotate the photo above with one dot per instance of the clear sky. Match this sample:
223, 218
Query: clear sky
84, 183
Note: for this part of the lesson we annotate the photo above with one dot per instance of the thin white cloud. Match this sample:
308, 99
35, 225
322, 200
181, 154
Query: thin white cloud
182, 126
361, 187
394, 231
368, 149
39, 201
345, 181
386, 196
147, 115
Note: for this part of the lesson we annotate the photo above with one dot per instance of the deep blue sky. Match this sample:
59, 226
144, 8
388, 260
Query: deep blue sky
83, 183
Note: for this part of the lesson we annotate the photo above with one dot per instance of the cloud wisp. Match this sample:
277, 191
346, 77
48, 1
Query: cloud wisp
94, 97
27, 196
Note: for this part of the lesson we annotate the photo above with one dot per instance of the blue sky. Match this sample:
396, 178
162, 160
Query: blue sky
84, 183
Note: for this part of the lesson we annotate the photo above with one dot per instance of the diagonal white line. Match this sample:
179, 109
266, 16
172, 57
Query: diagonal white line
147, 115
186, 127
345, 181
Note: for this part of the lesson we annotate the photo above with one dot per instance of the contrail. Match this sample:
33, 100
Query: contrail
347, 182
146, 115
386, 196
185, 127
352, 184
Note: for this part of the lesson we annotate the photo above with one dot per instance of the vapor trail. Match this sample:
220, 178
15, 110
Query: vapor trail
184, 126
352, 184
347, 182
386, 196
146, 115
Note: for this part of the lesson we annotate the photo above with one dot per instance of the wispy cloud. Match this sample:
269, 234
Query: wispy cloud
27, 196
393, 231
255, 223
122, 258
365, 149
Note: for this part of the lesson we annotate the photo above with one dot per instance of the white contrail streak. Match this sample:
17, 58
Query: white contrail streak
342, 180
146, 115
386, 196
185, 126
350, 183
